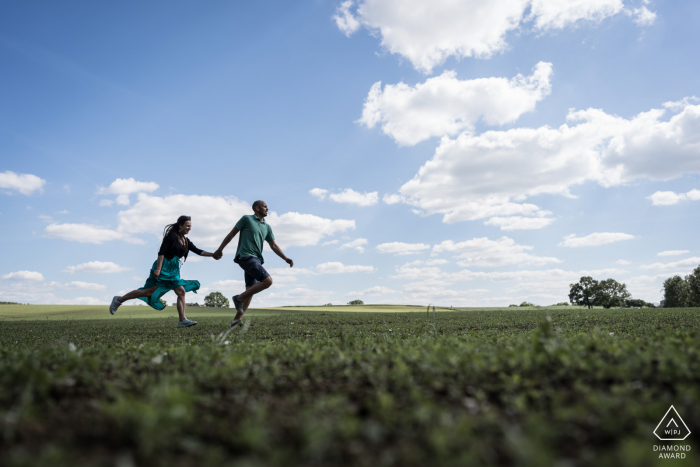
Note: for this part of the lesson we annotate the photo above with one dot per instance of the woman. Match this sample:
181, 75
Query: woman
165, 273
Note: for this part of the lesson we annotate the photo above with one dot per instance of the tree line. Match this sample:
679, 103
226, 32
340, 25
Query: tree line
607, 293
682, 292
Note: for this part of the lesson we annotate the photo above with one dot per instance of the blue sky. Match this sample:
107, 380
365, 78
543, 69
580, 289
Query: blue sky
459, 153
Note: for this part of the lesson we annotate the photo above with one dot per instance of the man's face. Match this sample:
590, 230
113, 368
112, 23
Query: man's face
261, 210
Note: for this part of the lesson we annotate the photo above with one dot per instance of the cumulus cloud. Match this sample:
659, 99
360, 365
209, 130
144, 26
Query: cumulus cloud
123, 187
347, 196
294, 297
97, 267
212, 218
622, 262
473, 177
31, 276
427, 33
672, 253
594, 239
344, 19
520, 222
643, 16
375, 291
86, 233
668, 198
355, 244
401, 248
340, 268
445, 105
482, 252
80, 285
430, 262
23, 183
684, 263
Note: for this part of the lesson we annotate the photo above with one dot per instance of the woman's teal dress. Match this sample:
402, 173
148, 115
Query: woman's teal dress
169, 279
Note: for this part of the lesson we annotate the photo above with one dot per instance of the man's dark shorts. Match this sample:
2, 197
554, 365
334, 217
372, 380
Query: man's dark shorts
254, 272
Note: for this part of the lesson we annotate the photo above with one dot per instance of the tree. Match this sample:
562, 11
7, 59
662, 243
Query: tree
356, 302
526, 304
693, 281
611, 293
216, 300
584, 291
676, 292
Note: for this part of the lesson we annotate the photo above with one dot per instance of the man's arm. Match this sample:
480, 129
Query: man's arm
220, 251
278, 252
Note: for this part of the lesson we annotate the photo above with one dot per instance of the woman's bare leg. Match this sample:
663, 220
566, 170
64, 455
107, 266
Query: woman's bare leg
180, 292
137, 294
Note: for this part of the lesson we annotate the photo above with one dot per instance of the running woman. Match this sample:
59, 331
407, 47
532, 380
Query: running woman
165, 272
254, 230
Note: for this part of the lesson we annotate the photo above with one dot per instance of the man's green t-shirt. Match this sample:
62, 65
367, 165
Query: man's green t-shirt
253, 232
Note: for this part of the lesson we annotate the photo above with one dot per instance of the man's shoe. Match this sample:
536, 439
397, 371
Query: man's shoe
115, 304
236, 322
185, 323
238, 304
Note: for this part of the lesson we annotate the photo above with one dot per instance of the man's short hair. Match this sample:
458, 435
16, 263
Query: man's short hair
257, 204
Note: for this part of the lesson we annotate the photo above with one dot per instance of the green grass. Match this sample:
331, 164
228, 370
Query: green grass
317, 387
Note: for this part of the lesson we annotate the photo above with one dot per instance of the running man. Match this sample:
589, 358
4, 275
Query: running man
254, 230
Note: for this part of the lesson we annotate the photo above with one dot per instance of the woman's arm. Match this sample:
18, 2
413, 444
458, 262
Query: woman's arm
158, 266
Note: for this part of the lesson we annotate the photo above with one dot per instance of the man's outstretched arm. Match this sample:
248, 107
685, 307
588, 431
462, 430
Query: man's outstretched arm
220, 251
278, 251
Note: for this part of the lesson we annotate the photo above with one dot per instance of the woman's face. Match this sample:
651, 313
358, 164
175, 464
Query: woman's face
186, 227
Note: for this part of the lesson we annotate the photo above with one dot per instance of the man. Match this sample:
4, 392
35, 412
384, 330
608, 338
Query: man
254, 230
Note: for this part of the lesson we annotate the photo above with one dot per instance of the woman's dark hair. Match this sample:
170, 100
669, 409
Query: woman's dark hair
171, 229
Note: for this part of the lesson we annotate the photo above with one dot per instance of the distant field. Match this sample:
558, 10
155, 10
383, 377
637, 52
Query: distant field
53, 312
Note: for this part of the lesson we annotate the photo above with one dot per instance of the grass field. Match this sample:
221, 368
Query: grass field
315, 386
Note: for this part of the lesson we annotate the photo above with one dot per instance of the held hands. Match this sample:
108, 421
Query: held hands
290, 262
217, 255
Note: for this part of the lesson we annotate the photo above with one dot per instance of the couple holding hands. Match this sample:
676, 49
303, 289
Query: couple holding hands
165, 272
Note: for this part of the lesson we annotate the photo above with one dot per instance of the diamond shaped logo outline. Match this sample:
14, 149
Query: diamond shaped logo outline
679, 418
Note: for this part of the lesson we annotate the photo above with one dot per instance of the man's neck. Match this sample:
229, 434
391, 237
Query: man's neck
260, 217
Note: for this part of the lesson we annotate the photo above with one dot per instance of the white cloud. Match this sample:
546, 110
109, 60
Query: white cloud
80, 285
594, 239
622, 262
294, 229
427, 33
355, 244
82, 301
106, 202
444, 105
24, 183
347, 196
668, 198
643, 17
331, 242
213, 217
339, 268
672, 253
473, 177
126, 186
319, 193
430, 262
231, 286
375, 291
692, 262
123, 187
86, 233
393, 198
32, 276
519, 222
97, 267
296, 296
482, 252
345, 21
400, 248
